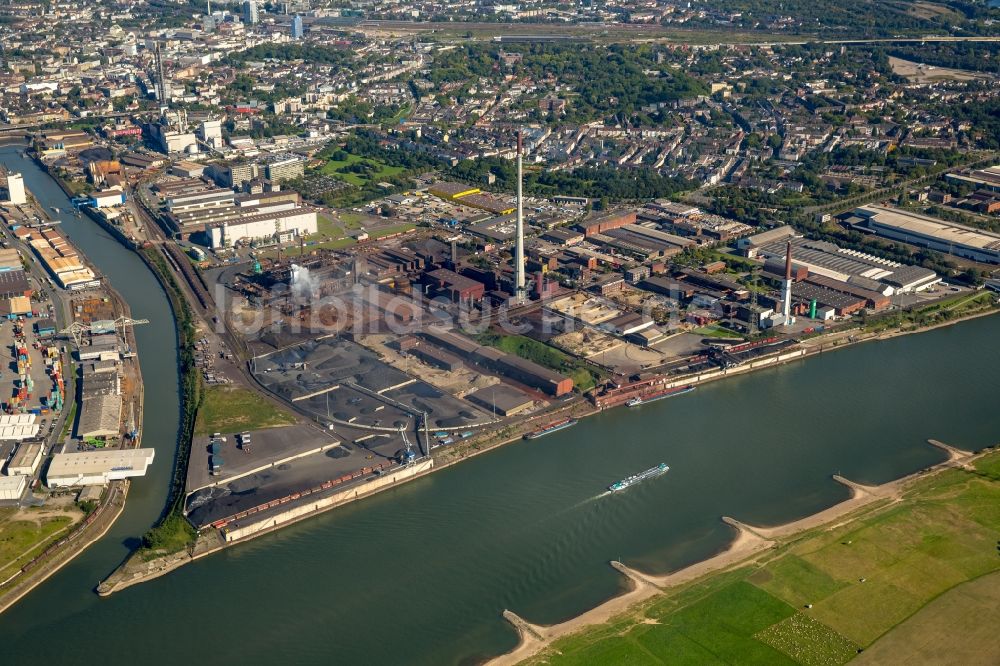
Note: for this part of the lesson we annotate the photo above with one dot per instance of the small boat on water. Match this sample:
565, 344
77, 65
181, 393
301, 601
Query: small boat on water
670, 393
555, 426
55, 209
629, 481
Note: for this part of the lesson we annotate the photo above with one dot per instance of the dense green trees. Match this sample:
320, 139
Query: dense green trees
863, 17
623, 80
365, 143
977, 57
610, 183
312, 53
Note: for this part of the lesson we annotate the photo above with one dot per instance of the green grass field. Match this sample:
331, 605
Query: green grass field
936, 313
583, 376
894, 582
230, 409
326, 225
26, 533
381, 171
351, 220
716, 332
375, 234
331, 233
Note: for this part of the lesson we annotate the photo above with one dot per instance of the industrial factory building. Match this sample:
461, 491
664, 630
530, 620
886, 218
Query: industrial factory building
26, 459
97, 468
285, 224
502, 400
456, 288
227, 219
641, 242
600, 224
828, 260
750, 244
519, 369
13, 488
18, 426
842, 303
13, 190
203, 198
956, 239
452, 191
107, 198
14, 283
983, 179
100, 404
470, 196
60, 259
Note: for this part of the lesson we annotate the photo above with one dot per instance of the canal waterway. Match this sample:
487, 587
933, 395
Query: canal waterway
421, 574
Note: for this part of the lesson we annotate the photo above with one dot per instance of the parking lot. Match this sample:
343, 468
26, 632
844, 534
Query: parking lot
265, 448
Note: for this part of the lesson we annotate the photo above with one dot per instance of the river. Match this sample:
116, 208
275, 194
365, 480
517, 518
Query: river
420, 574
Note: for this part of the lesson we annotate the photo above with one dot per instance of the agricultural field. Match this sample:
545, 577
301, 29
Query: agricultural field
914, 581
929, 636
231, 409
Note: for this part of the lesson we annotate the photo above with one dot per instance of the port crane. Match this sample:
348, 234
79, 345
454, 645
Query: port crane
408, 455
76, 329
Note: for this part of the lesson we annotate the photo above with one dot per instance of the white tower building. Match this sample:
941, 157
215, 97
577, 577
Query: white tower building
15, 189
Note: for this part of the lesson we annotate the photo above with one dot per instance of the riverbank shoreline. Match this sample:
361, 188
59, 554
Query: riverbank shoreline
123, 578
95, 526
750, 543
69, 555
579, 409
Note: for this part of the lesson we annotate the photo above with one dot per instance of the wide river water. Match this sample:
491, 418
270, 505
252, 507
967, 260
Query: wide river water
421, 574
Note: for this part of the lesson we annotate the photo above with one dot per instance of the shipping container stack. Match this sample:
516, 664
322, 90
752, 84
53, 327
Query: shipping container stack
53, 367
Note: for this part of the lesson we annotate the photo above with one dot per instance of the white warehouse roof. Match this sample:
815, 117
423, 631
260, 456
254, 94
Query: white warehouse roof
12, 487
942, 230
18, 426
97, 467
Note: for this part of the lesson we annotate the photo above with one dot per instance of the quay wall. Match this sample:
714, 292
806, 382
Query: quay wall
748, 367
403, 474
110, 228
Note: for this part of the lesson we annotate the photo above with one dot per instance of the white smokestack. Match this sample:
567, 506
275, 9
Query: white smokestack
519, 290
786, 292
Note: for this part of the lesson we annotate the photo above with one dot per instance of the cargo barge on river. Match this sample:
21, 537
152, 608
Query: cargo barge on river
660, 395
555, 426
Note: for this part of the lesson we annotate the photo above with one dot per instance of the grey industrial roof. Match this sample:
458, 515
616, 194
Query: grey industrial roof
505, 397
14, 282
100, 415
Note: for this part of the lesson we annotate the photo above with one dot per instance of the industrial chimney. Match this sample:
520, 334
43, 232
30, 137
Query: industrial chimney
786, 292
519, 288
